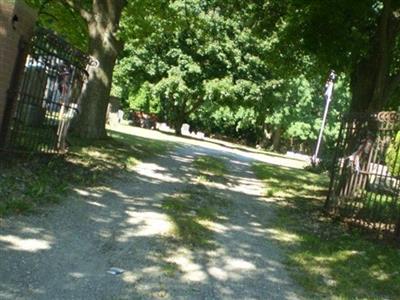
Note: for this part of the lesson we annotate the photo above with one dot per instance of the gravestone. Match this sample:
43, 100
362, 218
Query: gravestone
185, 129
200, 135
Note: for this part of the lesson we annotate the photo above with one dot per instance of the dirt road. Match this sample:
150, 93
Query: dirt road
65, 253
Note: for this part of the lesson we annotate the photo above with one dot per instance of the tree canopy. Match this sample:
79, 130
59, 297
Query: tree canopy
252, 70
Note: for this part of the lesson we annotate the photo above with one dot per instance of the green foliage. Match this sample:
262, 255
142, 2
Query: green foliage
143, 100
337, 33
265, 60
302, 113
211, 64
203, 58
62, 19
237, 123
350, 38
393, 156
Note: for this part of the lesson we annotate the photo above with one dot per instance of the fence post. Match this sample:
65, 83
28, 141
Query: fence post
327, 204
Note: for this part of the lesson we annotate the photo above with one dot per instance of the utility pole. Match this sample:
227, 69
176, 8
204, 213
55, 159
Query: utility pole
328, 97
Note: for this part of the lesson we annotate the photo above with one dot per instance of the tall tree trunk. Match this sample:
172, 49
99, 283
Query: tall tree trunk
276, 138
178, 121
370, 81
103, 46
261, 129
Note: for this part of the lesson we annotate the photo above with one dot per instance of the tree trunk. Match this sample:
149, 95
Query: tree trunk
265, 137
276, 138
370, 79
261, 130
103, 46
178, 122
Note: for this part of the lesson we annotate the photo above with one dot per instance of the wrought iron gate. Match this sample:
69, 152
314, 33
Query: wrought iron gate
47, 96
365, 176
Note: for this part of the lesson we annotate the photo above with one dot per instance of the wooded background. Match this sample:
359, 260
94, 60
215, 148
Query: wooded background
250, 70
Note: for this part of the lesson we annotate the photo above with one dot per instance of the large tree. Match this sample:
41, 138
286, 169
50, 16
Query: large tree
376, 76
360, 39
196, 55
237, 65
102, 19
93, 26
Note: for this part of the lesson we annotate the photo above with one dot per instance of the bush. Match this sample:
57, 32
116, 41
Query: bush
393, 156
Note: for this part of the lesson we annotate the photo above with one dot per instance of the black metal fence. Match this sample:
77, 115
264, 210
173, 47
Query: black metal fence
47, 96
365, 177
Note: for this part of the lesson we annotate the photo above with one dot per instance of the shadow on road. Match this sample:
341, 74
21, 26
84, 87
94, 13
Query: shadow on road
65, 251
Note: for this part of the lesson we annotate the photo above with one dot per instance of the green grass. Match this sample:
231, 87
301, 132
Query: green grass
142, 148
193, 209
170, 269
327, 260
27, 182
190, 210
210, 168
377, 207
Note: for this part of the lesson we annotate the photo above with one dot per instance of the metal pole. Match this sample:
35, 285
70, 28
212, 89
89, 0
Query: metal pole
328, 97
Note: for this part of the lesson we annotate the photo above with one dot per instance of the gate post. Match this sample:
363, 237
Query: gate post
328, 200
17, 22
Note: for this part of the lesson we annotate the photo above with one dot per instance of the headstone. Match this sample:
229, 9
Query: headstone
200, 135
185, 129
165, 128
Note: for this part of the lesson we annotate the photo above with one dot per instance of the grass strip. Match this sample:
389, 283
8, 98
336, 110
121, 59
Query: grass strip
191, 212
28, 182
210, 168
324, 257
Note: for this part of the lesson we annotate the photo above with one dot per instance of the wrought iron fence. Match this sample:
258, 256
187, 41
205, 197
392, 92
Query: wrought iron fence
47, 96
365, 176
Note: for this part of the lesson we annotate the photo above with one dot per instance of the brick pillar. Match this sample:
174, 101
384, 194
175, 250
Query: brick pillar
11, 32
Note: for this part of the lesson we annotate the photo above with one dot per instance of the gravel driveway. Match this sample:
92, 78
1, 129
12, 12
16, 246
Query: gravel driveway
66, 251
